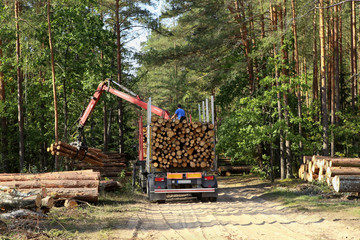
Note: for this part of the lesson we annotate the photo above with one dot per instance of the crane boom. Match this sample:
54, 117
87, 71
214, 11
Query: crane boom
135, 100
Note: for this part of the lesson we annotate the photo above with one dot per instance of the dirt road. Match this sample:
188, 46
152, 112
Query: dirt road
240, 213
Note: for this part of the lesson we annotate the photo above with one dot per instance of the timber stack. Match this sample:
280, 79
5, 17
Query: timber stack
226, 168
340, 172
178, 144
79, 185
13, 200
113, 165
92, 156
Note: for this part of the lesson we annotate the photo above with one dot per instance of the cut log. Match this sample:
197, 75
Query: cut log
234, 169
14, 199
74, 155
84, 194
346, 183
109, 185
68, 175
344, 162
335, 171
306, 159
70, 204
47, 202
51, 184
22, 213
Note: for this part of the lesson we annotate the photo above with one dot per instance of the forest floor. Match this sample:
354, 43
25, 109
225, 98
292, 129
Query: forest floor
247, 208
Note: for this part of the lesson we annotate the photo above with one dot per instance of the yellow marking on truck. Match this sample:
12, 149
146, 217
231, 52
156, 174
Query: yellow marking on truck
193, 175
174, 175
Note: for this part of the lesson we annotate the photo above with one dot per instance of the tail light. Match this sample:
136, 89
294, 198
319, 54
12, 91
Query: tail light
159, 179
207, 178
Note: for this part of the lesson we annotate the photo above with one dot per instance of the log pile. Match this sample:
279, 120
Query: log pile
226, 168
15, 203
81, 185
178, 144
341, 173
113, 164
92, 156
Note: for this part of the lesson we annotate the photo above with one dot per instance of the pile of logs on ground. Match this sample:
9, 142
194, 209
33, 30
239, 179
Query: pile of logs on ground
225, 168
92, 155
24, 203
341, 173
113, 164
80, 185
181, 144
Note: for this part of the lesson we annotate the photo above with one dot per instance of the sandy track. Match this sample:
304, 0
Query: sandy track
240, 213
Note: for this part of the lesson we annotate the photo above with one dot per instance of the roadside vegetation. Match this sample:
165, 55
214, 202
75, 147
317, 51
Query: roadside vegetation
84, 222
312, 197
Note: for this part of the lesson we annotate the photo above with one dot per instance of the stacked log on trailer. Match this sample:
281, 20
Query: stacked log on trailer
80, 185
341, 173
92, 156
113, 164
178, 144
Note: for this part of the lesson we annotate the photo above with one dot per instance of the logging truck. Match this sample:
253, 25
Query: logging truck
184, 166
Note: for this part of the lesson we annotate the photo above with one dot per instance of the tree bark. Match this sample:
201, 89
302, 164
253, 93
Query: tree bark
3, 139
296, 56
53, 82
285, 74
20, 91
12, 199
332, 79
315, 61
273, 13
105, 127
350, 183
353, 55
335, 171
119, 78
323, 80
338, 49
239, 6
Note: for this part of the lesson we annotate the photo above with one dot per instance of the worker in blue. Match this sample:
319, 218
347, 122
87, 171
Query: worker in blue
179, 113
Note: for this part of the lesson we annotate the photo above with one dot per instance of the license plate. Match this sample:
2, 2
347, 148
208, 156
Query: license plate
184, 181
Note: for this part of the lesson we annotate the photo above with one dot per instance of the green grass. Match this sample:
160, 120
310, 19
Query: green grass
86, 221
315, 197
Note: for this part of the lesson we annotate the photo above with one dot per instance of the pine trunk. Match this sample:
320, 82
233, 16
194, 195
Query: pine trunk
273, 14
323, 80
53, 82
3, 139
119, 78
20, 91
296, 57
332, 79
353, 55
315, 61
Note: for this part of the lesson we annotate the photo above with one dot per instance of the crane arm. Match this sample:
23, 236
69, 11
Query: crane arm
105, 86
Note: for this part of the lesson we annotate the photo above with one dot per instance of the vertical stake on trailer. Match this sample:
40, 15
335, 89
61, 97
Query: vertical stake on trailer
203, 111
148, 148
207, 110
199, 113
212, 110
213, 122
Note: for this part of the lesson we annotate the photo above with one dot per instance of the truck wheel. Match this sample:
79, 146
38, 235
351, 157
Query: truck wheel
204, 199
160, 201
213, 199
198, 196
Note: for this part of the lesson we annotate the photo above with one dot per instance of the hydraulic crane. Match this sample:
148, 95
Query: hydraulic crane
105, 86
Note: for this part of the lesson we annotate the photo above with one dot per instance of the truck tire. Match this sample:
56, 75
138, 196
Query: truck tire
204, 199
213, 199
